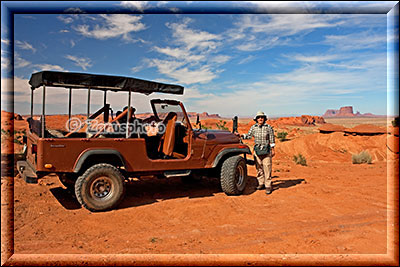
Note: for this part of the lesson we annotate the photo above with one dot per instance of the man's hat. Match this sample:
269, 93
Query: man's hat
260, 114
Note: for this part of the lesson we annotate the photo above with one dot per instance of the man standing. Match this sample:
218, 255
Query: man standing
263, 137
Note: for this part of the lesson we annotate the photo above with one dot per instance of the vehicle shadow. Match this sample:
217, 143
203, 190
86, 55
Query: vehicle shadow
252, 183
278, 184
152, 190
148, 191
65, 198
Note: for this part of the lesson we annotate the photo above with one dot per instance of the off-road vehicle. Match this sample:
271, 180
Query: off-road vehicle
96, 163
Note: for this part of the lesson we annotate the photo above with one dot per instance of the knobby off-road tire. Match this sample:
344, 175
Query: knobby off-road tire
100, 188
233, 175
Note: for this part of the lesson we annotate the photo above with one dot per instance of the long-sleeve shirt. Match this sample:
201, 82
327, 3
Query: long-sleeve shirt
263, 135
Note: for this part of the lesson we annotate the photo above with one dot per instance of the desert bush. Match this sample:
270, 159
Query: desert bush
221, 125
395, 122
300, 159
282, 136
363, 157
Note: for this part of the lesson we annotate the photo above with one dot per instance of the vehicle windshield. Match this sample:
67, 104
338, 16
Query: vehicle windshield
162, 110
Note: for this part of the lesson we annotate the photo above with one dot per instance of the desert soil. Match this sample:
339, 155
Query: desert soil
329, 206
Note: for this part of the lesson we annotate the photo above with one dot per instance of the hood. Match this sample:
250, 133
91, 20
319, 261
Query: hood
218, 136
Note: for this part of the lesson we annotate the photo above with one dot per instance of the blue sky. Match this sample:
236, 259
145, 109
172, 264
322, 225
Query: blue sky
230, 64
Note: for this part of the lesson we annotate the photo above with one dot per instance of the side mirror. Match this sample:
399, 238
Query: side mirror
235, 124
198, 121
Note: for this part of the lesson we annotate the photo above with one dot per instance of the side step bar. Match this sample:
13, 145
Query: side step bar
169, 174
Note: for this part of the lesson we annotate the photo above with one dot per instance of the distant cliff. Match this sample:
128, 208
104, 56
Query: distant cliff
346, 112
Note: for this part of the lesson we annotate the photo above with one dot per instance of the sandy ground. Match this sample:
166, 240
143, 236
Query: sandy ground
321, 208
329, 206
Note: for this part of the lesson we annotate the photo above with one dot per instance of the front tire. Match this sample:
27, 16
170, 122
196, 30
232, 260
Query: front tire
100, 188
234, 175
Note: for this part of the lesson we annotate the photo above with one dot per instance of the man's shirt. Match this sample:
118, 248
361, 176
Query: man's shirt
263, 135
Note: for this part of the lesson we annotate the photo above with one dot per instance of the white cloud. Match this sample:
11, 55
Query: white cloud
355, 41
195, 57
246, 59
82, 62
49, 67
193, 38
286, 24
311, 58
114, 25
180, 53
65, 19
21, 88
25, 46
72, 42
220, 59
5, 62
264, 31
175, 70
137, 68
136, 5
261, 44
20, 62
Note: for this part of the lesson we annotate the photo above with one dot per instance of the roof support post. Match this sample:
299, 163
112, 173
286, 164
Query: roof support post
129, 113
88, 113
43, 111
32, 102
69, 106
104, 104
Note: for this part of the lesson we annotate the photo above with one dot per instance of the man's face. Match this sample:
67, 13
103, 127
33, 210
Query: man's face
260, 120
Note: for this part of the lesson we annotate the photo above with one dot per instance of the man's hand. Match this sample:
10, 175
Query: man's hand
237, 134
272, 151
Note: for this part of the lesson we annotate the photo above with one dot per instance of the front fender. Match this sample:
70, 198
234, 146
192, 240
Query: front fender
232, 151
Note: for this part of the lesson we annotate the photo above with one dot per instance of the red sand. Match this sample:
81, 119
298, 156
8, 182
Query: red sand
330, 206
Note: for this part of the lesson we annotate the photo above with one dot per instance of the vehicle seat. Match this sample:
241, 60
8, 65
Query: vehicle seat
168, 139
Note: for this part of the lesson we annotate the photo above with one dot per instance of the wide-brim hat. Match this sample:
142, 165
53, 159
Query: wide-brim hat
260, 114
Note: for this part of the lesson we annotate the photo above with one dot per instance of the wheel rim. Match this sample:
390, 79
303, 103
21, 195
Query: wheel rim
101, 188
239, 176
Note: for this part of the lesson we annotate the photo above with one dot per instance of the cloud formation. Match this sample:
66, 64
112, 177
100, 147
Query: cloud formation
25, 46
113, 26
82, 62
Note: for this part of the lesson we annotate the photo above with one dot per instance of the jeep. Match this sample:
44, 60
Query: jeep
95, 164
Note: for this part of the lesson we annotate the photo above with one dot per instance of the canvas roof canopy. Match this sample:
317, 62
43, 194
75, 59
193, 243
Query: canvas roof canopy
101, 82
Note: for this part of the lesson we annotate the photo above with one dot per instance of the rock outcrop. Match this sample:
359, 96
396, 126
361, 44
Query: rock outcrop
345, 112
304, 120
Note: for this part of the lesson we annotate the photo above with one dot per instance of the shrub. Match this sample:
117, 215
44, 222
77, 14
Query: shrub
395, 122
300, 159
282, 136
363, 157
221, 125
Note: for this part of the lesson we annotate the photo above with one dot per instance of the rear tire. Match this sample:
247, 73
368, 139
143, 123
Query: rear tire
100, 188
234, 175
